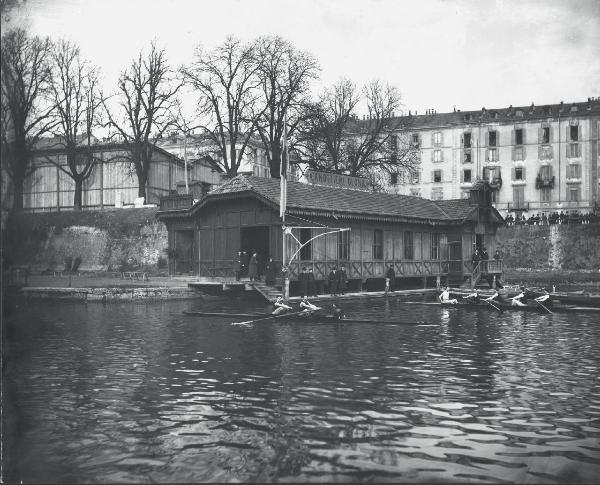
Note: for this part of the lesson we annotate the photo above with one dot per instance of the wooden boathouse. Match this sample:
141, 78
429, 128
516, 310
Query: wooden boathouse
426, 241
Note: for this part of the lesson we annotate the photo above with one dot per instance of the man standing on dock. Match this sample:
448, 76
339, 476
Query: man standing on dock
342, 280
333, 282
390, 279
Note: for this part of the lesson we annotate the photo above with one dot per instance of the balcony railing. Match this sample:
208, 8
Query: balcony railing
518, 206
176, 202
544, 182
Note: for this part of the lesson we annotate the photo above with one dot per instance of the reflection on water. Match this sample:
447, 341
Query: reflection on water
140, 392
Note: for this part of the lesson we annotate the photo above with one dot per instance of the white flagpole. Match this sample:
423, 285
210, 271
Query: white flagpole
282, 206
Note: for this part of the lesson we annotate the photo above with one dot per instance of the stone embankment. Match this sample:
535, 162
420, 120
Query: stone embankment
110, 294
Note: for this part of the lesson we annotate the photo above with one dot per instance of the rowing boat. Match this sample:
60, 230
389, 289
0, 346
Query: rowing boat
556, 308
316, 317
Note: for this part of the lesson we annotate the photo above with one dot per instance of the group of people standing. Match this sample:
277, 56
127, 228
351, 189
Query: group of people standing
249, 264
337, 280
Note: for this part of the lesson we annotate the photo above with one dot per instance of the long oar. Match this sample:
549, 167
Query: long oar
249, 322
494, 306
543, 306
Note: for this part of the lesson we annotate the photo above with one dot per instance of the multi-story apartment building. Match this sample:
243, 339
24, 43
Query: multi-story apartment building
538, 158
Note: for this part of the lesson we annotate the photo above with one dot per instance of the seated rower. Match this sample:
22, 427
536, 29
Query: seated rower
337, 312
445, 297
280, 306
491, 298
307, 307
516, 300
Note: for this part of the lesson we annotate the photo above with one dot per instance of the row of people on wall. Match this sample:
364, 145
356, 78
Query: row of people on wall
249, 264
543, 219
337, 281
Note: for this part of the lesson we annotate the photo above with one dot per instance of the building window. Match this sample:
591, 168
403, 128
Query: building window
437, 138
519, 136
394, 178
467, 175
467, 156
467, 140
465, 194
437, 193
519, 173
492, 138
409, 252
546, 134
415, 177
393, 142
573, 194
306, 251
574, 133
344, 245
545, 152
519, 153
573, 150
415, 192
546, 172
574, 171
519, 197
492, 155
545, 194
435, 245
437, 176
437, 156
415, 140
377, 244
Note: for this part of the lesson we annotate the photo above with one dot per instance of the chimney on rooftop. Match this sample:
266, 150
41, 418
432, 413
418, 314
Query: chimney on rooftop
455, 109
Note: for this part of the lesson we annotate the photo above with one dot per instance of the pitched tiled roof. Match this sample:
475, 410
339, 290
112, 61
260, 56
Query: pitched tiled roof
302, 198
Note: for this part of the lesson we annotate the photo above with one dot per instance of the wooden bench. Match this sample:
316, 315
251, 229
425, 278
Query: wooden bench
134, 275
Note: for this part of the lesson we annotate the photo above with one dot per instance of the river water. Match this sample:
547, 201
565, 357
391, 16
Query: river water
142, 393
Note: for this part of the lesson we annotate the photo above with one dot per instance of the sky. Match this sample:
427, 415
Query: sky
440, 54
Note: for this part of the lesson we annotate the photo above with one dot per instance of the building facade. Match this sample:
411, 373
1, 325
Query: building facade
112, 183
419, 238
537, 158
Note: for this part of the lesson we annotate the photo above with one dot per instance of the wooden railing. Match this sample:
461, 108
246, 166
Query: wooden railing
176, 201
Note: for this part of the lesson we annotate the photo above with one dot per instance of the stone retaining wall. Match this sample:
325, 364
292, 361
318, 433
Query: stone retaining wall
111, 294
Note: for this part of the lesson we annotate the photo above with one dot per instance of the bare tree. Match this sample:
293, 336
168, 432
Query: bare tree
147, 95
25, 117
226, 81
377, 143
75, 95
285, 73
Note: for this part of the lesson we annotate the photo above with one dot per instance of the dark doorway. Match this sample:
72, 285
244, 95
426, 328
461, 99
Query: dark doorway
455, 257
479, 241
184, 252
256, 239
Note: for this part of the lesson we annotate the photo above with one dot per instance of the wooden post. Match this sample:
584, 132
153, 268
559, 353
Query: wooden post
438, 281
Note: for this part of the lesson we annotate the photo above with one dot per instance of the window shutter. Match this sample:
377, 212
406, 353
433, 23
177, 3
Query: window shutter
497, 138
462, 141
487, 138
540, 136
524, 136
462, 176
514, 153
540, 152
513, 174
433, 175
549, 171
441, 138
441, 175
513, 137
524, 150
433, 139
432, 155
568, 138
441, 155
524, 176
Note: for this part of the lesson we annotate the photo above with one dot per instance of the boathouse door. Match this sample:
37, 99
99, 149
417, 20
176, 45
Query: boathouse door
455, 258
184, 251
256, 239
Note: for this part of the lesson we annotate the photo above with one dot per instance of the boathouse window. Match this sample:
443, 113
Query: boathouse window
306, 251
377, 244
409, 252
343, 245
435, 245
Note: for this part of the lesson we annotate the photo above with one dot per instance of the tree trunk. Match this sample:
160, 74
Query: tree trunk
275, 161
142, 181
78, 198
17, 190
